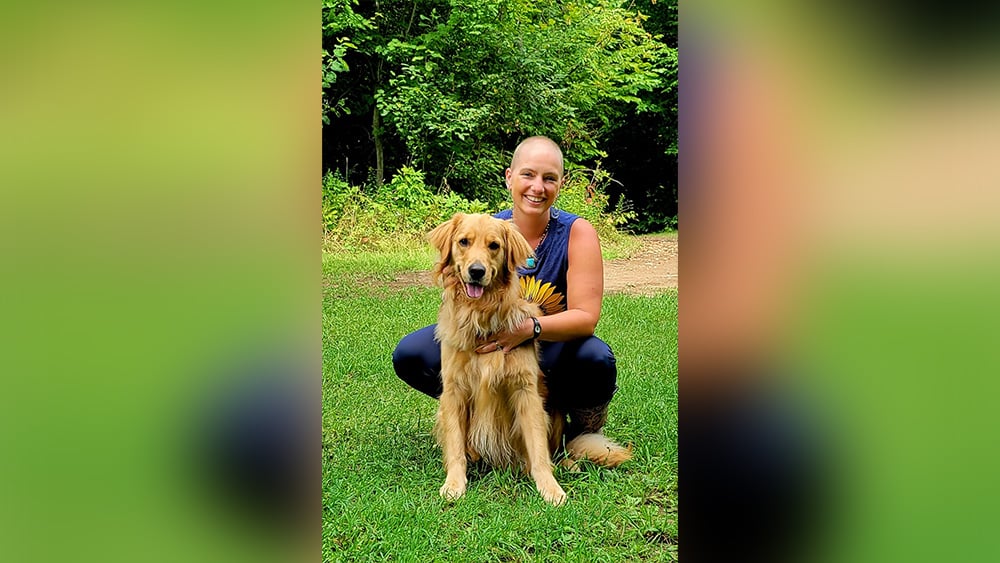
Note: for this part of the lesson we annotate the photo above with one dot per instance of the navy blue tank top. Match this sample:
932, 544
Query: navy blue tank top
545, 283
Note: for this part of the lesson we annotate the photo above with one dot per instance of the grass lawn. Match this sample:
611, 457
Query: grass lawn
382, 470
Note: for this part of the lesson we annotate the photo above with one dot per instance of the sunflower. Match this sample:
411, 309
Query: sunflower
544, 294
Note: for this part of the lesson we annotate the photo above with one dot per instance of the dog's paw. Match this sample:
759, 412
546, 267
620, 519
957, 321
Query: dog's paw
452, 491
552, 493
570, 465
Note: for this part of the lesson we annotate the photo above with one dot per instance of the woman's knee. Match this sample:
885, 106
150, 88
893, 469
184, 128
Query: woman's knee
403, 354
418, 346
596, 354
417, 361
586, 375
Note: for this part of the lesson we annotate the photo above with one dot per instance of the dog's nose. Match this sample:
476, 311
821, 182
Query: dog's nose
477, 271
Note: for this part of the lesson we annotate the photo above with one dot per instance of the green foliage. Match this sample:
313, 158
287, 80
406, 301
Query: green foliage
333, 62
489, 72
339, 21
662, 103
402, 210
584, 194
450, 86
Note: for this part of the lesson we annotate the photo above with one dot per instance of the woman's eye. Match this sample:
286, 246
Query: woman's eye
494, 246
463, 242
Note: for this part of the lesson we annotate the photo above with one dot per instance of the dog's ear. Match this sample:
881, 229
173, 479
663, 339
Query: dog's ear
440, 238
518, 250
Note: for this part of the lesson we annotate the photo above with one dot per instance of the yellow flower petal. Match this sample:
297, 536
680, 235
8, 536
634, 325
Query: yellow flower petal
553, 304
545, 292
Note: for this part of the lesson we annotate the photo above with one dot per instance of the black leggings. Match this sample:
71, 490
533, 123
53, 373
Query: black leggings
579, 373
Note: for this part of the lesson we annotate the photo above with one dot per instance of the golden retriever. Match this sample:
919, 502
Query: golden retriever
493, 405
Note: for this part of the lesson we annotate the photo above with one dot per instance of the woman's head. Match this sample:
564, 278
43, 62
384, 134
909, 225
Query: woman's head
535, 175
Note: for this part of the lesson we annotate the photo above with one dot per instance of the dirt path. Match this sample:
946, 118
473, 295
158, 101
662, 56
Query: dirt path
652, 269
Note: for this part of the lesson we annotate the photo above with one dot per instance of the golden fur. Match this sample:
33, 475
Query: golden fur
492, 406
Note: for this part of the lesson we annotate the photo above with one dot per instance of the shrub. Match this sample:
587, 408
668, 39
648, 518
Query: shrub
399, 213
584, 194
403, 210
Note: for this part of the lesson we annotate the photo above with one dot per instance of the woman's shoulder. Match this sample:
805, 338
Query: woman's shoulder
564, 217
581, 228
583, 241
569, 224
565, 221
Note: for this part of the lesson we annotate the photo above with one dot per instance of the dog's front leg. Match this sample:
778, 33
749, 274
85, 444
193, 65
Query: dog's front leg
454, 420
529, 414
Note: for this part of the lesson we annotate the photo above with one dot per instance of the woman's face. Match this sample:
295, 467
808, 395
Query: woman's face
534, 178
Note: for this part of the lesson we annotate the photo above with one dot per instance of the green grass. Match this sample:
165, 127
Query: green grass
410, 253
382, 470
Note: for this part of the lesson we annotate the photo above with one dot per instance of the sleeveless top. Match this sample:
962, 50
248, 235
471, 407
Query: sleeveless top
545, 284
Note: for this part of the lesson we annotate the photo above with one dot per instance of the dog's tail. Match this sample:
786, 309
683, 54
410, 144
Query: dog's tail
598, 449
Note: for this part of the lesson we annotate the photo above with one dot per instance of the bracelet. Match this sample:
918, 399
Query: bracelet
537, 329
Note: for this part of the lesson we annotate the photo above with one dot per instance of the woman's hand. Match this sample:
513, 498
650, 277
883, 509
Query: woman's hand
507, 341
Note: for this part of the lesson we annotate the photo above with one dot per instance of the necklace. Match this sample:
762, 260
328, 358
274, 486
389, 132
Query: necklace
531, 259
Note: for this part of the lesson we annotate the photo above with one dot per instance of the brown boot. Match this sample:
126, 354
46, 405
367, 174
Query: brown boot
589, 420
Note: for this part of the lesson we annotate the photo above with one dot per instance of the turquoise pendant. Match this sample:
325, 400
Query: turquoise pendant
531, 261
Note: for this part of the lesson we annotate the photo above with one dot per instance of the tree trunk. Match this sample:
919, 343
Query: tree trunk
379, 150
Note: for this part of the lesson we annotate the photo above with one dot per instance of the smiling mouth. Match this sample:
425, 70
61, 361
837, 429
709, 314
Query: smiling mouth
473, 290
534, 199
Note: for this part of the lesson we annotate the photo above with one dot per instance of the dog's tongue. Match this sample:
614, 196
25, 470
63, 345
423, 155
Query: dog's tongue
473, 290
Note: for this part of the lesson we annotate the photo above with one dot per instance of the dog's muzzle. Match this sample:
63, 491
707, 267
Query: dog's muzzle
473, 288
476, 272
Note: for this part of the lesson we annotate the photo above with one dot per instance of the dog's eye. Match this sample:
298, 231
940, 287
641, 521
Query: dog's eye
463, 242
494, 246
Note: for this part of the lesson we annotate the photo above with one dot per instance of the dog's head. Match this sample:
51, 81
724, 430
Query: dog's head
480, 251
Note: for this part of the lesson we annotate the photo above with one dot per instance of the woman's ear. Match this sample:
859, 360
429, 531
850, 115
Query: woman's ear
518, 250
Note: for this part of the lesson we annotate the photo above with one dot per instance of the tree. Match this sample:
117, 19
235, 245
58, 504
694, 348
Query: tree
367, 27
449, 86
645, 145
499, 70
339, 22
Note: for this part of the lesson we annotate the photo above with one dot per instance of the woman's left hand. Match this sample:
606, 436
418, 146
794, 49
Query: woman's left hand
506, 341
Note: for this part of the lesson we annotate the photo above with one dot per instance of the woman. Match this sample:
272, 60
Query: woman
566, 278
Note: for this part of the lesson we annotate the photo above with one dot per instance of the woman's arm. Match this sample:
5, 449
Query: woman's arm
584, 288
584, 293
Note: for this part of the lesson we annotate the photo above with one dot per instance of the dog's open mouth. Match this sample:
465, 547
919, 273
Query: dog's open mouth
474, 290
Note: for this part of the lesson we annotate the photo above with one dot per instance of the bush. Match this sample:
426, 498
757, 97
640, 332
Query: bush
399, 213
584, 194
402, 211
